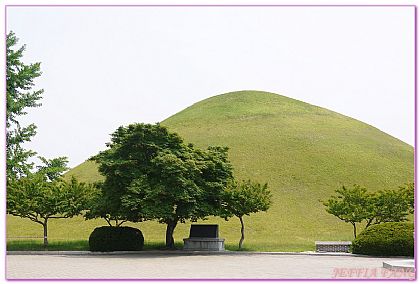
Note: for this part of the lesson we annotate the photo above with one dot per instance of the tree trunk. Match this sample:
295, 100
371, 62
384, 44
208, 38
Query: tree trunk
45, 234
242, 233
354, 229
170, 228
369, 222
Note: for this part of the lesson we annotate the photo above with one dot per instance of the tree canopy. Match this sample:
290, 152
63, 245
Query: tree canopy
126, 159
153, 174
36, 198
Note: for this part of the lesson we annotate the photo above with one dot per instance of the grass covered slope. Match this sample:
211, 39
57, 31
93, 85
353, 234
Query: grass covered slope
294, 145
304, 152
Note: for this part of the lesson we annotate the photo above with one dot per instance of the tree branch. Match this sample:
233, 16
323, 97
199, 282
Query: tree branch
122, 222
57, 217
108, 221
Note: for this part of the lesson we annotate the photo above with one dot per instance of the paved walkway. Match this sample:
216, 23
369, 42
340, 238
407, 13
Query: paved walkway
181, 266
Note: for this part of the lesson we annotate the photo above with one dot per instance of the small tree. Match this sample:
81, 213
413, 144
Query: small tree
39, 200
356, 205
352, 205
245, 198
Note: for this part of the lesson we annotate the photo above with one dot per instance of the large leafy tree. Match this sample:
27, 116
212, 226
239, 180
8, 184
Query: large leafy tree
156, 176
20, 96
39, 198
126, 159
244, 198
184, 186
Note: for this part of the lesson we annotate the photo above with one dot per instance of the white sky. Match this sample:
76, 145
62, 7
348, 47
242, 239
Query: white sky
109, 66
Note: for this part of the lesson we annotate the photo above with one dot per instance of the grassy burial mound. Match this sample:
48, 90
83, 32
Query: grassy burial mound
304, 152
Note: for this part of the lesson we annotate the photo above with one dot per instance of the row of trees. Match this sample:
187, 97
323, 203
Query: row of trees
150, 173
356, 205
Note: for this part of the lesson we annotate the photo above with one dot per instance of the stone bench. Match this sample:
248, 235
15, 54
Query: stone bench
332, 246
204, 238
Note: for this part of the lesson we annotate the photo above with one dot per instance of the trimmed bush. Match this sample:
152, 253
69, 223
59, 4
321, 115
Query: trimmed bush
109, 238
387, 239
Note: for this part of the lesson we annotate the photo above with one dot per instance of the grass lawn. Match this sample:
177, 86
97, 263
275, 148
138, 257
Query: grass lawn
28, 245
75, 233
76, 245
83, 245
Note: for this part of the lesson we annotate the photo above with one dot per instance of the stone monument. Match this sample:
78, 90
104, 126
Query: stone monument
204, 238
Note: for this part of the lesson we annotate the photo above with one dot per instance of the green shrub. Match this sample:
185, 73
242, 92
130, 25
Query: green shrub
387, 239
108, 238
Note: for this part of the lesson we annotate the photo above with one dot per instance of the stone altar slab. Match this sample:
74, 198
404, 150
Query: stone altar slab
204, 238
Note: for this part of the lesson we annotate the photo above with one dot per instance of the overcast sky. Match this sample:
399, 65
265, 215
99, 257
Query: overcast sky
109, 66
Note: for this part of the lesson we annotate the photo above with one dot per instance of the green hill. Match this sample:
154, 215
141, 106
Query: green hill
304, 152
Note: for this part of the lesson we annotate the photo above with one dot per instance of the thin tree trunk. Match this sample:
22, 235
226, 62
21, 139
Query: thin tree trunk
242, 233
45, 234
170, 228
354, 229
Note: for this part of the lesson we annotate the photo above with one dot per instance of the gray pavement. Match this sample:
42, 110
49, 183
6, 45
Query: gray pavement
199, 266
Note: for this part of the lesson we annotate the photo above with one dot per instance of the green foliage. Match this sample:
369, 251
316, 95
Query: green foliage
187, 185
304, 152
351, 205
408, 190
243, 199
107, 206
388, 239
38, 199
246, 197
391, 206
53, 168
20, 96
42, 195
151, 174
126, 159
356, 205
35, 198
116, 239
